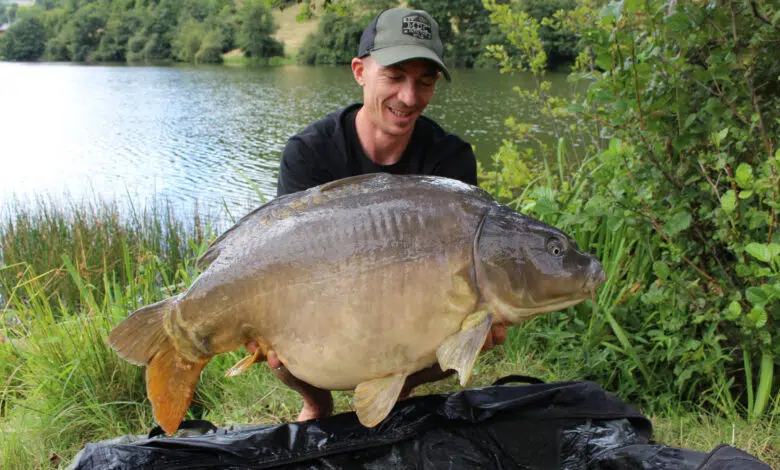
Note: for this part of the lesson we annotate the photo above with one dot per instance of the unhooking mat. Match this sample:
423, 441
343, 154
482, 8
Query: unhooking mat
537, 426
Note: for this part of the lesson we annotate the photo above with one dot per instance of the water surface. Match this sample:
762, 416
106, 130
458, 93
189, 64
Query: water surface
207, 134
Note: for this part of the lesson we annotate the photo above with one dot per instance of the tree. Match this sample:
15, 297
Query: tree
256, 29
85, 31
120, 27
25, 40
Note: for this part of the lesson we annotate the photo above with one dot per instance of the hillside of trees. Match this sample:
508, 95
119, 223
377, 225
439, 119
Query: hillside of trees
138, 30
201, 31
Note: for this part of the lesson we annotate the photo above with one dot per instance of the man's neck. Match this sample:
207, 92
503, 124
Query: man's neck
379, 147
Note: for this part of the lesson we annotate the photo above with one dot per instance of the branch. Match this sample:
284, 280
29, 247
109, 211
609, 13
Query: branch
757, 14
636, 85
657, 226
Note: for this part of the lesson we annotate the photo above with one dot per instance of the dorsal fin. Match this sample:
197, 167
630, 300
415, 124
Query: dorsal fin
215, 247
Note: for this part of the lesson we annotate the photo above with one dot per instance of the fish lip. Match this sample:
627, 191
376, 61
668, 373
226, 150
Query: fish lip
593, 282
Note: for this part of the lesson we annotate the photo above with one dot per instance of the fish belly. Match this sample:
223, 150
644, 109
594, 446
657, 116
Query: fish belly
378, 322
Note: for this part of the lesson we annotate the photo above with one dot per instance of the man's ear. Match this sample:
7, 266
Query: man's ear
359, 70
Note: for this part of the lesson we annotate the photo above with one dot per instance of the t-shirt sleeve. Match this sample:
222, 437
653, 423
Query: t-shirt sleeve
460, 164
299, 168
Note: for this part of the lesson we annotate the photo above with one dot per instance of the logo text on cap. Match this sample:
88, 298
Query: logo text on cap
417, 26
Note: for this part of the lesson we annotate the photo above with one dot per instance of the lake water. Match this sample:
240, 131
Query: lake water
207, 134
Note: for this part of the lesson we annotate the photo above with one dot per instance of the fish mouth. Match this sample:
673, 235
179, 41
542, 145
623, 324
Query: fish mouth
592, 283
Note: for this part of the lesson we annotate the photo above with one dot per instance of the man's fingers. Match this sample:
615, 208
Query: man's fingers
488, 342
273, 360
251, 346
498, 333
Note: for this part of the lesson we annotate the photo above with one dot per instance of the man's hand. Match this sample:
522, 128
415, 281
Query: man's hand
496, 336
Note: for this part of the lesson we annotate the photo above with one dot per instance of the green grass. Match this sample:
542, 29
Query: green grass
70, 274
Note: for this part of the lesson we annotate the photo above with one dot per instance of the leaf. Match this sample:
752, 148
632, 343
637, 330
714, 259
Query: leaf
758, 317
661, 269
689, 120
756, 296
679, 23
760, 251
734, 310
774, 248
729, 201
677, 223
745, 194
744, 175
774, 290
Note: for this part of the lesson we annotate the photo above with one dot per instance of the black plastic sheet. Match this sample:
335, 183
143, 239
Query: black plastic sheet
567, 426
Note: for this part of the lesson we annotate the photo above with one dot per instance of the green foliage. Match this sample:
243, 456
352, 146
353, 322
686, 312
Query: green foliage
84, 31
335, 42
195, 43
120, 27
256, 30
25, 40
559, 45
3, 15
464, 27
129, 31
63, 385
680, 132
97, 241
337, 38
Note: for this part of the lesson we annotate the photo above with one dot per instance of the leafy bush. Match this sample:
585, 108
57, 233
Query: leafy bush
185, 30
680, 124
25, 40
256, 30
335, 42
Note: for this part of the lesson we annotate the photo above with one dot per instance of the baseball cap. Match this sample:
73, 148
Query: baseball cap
400, 34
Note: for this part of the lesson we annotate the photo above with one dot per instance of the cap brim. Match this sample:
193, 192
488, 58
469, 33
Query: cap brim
392, 55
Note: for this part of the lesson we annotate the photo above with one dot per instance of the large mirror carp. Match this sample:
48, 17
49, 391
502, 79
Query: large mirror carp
357, 284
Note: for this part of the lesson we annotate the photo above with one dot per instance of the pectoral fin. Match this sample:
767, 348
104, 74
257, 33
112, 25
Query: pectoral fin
460, 350
244, 364
374, 399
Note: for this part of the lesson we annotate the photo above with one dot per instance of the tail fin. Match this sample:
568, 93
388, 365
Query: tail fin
170, 385
170, 377
138, 338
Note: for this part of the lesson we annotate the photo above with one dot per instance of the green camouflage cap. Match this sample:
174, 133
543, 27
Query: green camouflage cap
401, 34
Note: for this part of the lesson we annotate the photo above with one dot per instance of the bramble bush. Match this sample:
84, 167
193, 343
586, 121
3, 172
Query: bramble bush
677, 153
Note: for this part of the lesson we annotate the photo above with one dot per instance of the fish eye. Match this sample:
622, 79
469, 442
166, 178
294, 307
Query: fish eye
555, 247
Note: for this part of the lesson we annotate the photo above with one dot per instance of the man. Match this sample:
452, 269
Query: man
398, 64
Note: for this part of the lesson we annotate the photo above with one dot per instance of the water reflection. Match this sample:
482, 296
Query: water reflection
206, 134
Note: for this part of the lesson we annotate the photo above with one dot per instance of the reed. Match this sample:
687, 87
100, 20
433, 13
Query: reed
100, 240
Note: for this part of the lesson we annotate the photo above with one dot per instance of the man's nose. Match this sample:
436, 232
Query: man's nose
408, 93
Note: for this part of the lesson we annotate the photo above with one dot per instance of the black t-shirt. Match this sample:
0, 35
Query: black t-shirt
329, 149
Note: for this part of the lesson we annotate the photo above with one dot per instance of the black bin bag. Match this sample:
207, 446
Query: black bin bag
537, 426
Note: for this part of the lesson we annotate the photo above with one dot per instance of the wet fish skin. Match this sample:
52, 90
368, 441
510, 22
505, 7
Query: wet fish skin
357, 284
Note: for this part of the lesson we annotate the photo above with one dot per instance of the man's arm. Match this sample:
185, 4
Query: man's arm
299, 169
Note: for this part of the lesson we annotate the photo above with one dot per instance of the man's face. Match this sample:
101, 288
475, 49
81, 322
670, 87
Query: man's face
395, 96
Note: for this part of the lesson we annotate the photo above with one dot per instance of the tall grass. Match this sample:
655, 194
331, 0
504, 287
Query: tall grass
68, 275
100, 242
